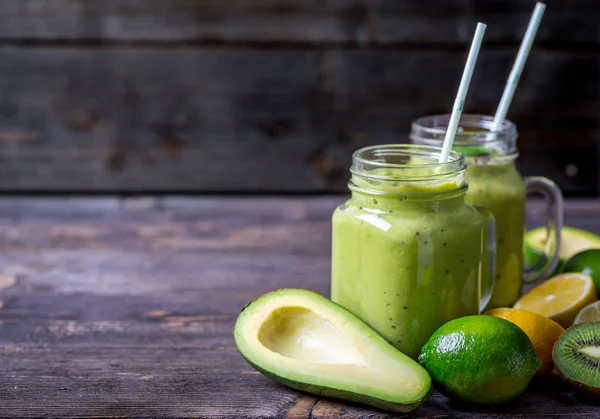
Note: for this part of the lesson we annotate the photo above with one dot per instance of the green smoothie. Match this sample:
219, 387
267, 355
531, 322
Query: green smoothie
496, 186
501, 189
406, 253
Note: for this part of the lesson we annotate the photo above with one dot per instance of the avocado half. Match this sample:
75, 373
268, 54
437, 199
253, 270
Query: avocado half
573, 240
309, 343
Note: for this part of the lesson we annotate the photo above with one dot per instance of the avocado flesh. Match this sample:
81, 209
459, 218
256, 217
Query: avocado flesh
572, 241
307, 342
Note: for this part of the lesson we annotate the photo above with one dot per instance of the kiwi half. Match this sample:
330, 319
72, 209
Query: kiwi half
576, 356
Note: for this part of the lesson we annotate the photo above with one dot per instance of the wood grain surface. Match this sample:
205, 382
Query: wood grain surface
125, 308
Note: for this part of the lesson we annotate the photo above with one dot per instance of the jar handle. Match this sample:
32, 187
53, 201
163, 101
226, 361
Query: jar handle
554, 210
487, 266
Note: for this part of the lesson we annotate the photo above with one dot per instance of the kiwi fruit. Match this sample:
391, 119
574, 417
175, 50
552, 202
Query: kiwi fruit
576, 357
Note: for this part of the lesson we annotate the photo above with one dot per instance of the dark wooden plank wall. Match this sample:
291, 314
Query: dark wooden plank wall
273, 95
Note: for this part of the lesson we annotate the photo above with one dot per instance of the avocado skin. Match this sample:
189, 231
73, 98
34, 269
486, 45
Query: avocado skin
340, 394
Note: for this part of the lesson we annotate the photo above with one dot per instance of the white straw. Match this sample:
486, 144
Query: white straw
465, 81
517, 69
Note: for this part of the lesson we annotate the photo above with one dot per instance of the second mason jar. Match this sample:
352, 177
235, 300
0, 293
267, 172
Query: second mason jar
496, 185
406, 247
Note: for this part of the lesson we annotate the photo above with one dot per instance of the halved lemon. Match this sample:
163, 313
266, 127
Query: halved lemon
590, 313
560, 298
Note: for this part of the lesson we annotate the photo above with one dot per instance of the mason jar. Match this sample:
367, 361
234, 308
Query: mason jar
406, 249
495, 184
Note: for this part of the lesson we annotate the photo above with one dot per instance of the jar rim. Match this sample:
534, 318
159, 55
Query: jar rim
507, 128
384, 156
474, 136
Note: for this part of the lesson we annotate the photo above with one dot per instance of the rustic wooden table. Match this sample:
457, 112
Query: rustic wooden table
125, 308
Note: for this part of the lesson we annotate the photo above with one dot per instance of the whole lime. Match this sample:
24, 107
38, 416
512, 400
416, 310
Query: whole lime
480, 359
587, 262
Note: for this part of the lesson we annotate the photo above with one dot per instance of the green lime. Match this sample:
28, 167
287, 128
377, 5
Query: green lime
480, 359
587, 262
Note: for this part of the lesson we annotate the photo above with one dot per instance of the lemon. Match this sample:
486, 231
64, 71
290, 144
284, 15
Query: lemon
560, 298
480, 359
542, 332
590, 313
